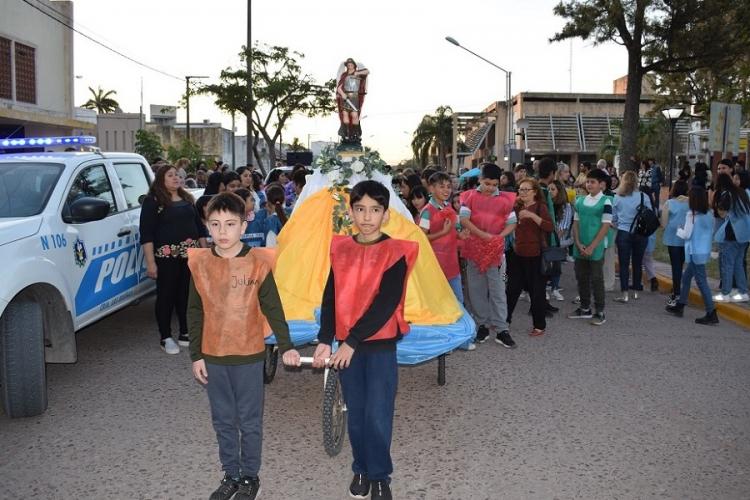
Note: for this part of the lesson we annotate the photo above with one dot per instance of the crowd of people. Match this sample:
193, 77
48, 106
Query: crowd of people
499, 237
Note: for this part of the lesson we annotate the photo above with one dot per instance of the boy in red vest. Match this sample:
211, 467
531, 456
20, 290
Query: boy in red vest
363, 308
488, 214
233, 304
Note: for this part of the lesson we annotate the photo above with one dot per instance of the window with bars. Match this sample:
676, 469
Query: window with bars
25, 73
6, 75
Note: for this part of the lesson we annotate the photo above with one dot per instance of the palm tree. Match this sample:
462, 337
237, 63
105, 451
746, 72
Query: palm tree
102, 102
434, 136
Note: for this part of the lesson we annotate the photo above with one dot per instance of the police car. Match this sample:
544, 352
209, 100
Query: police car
70, 256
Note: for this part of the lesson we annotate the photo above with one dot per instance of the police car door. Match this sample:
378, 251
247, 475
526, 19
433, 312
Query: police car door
102, 263
134, 181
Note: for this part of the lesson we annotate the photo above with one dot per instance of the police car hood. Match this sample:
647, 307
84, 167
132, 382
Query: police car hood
17, 228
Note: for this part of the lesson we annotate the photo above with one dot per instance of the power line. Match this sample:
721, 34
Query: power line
100, 43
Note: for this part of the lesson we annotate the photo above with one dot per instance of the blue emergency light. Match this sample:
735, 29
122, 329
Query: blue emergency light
31, 142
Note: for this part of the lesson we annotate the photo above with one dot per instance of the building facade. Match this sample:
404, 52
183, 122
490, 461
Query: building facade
36, 71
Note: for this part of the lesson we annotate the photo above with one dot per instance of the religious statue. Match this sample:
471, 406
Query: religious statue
350, 95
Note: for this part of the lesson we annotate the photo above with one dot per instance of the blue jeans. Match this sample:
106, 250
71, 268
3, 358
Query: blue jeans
630, 246
457, 288
699, 272
369, 387
235, 393
731, 266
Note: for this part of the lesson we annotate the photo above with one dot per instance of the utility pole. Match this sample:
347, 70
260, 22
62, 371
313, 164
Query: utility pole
187, 102
248, 116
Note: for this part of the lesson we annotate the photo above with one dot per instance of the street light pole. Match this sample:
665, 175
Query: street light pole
673, 115
187, 103
508, 91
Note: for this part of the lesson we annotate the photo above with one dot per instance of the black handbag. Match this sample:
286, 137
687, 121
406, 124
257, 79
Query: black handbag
645, 222
552, 256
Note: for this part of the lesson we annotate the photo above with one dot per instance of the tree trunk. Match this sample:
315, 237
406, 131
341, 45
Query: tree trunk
631, 117
258, 159
250, 145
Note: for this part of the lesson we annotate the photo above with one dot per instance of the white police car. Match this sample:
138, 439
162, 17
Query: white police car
70, 255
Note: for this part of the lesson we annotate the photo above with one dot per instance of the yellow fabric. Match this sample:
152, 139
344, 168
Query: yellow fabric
303, 263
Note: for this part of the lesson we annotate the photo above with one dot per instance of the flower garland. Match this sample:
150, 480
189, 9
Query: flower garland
342, 223
339, 169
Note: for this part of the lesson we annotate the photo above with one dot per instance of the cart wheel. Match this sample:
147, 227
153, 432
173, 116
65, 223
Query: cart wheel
334, 415
270, 363
441, 369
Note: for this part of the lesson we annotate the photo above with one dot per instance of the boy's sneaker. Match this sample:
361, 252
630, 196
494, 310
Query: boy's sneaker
581, 314
672, 300
504, 339
740, 297
482, 334
183, 340
249, 488
169, 346
226, 489
720, 297
598, 319
381, 490
557, 295
360, 487
471, 347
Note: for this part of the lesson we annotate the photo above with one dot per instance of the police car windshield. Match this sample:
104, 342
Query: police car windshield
26, 188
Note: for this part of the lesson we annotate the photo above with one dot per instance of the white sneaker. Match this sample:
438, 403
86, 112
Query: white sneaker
472, 346
740, 297
524, 296
169, 346
570, 258
557, 295
720, 297
546, 296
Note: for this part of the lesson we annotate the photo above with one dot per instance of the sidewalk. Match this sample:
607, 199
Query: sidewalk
738, 313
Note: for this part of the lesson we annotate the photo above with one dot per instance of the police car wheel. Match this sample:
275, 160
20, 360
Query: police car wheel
23, 383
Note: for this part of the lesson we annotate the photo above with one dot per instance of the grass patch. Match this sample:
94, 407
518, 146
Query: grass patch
662, 255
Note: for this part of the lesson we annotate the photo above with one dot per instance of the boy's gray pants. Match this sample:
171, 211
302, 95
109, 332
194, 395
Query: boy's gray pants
487, 295
235, 393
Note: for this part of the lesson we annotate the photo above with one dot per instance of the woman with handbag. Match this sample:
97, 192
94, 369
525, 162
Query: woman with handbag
629, 245
525, 262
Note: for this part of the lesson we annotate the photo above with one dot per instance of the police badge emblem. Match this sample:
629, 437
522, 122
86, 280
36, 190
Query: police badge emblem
79, 253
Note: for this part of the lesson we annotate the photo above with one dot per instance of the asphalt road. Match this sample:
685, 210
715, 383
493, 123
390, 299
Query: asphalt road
647, 406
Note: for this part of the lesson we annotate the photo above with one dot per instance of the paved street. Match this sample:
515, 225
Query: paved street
646, 407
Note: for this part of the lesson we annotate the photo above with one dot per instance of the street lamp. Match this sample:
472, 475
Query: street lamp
187, 102
672, 114
508, 97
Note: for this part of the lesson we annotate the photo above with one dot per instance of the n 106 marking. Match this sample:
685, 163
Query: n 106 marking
55, 240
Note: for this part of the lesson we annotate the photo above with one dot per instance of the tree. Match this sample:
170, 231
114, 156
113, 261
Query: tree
664, 37
101, 101
148, 145
653, 140
434, 136
280, 90
186, 149
698, 88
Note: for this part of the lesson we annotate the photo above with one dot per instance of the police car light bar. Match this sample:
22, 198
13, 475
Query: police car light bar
27, 142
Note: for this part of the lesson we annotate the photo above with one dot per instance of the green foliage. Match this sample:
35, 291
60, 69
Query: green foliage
339, 171
653, 140
669, 38
187, 149
148, 145
101, 101
434, 134
280, 90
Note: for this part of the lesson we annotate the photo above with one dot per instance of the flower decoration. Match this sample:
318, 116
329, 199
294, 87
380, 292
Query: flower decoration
339, 169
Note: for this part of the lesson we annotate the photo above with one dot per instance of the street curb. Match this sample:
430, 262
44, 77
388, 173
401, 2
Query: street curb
731, 312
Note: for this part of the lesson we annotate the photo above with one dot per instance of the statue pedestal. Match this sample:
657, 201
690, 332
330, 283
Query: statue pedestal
349, 152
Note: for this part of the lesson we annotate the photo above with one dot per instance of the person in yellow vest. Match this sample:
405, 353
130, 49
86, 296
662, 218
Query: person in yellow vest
363, 309
233, 305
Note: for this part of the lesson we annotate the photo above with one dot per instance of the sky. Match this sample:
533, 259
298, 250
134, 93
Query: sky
413, 70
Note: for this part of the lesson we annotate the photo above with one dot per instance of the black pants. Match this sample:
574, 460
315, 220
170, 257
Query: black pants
172, 284
525, 273
630, 246
677, 259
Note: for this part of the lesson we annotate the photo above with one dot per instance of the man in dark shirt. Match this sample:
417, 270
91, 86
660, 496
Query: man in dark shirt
363, 308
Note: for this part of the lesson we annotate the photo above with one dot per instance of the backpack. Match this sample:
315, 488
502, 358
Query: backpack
646, 222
